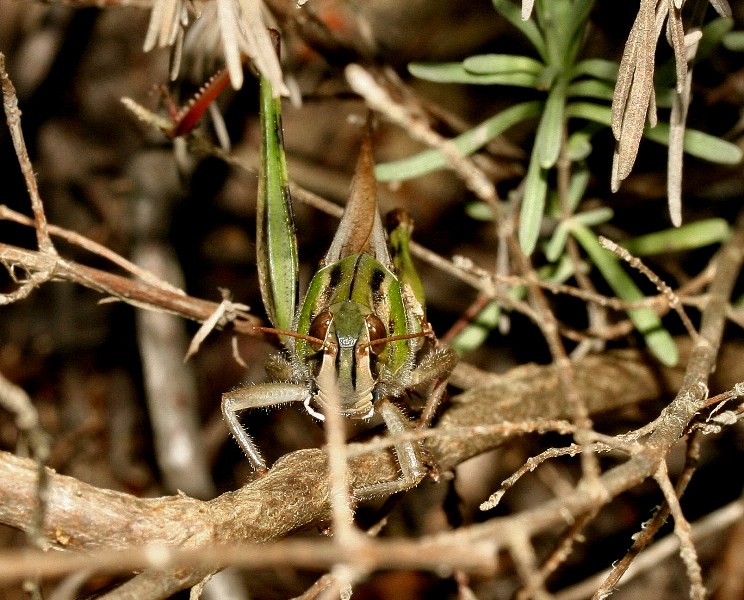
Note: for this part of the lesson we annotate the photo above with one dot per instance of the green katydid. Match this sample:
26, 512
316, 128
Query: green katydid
361, 329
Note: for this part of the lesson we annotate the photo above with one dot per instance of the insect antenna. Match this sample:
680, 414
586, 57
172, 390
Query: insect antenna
396, 338
294, 334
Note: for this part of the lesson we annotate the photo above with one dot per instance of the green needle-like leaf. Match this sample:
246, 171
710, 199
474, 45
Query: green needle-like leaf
646, 321
276, 244
577, 187
597, 68
513, 14
466, 143
714, 33
594, 217
734, 41
591, 88
686, 237
533, 205
699, 144
489, 64
557, 242
696, 143
475, 333
479, 211
550, 130
579, 144
591, 218
455, 72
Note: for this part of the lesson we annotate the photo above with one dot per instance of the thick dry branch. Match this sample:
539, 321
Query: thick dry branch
81, 516
294, 495
533, 392
310, 554
138, 293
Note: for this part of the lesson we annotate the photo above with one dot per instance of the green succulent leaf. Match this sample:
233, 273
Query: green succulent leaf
557, 242
699, 144
577, 187
714, 33
579, 144
577, 14
476, 332
591, 218
591, 88
479, 211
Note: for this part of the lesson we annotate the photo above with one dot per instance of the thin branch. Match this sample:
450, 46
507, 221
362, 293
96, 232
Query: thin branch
714, 524
665, 290
136, 293
684, 532
13, 115
94, 247
644, 537
363, 82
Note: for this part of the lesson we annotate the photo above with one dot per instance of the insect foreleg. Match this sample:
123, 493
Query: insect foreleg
408, 452
257, 396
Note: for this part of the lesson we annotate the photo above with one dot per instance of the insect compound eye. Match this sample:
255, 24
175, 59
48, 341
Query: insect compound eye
319, 328
377, 331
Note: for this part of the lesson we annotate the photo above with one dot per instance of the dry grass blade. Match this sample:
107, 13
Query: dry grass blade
722, 7
165, 23
256, 42
677, 122
676, 37
244, 30
227, 11
635, 85
527, 6
624, 81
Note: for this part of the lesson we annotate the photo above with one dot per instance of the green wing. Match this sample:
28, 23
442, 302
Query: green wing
276, 244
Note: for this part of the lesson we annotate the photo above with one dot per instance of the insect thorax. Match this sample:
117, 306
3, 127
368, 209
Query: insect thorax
350, 304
